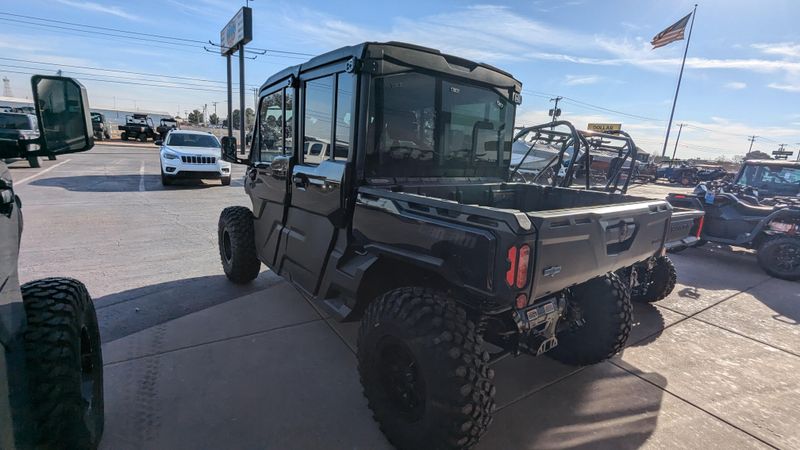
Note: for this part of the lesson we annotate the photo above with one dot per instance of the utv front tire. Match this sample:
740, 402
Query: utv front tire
64, 363
780, 257
237, 247
656, 284
424, 371
604, 305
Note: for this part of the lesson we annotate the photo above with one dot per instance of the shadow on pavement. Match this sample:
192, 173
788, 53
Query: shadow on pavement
598, 407
127, 312
648, 324
120, 183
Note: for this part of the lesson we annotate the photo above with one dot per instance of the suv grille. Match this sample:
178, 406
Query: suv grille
199, 159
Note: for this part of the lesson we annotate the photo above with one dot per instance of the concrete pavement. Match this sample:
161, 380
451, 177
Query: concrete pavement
195, 362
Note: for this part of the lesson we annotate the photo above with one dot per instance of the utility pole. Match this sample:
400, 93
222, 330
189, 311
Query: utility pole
680, 128
751, 139
555, 112
215, 107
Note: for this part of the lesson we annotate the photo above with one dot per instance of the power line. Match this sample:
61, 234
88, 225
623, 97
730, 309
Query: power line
116, 71
159, 38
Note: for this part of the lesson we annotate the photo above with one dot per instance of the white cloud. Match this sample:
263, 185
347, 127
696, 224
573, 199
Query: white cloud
579, 80
785, 87
103, 9
789, 49
735, 85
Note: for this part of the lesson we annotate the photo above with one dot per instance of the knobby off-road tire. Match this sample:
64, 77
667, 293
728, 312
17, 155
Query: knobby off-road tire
605, 307
658, 283
424, 371
237, 248
64, 363
780, 257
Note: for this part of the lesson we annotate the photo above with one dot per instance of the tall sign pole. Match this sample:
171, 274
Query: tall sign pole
232, 39
678, 88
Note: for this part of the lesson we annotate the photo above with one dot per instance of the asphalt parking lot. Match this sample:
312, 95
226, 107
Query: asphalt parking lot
195, 362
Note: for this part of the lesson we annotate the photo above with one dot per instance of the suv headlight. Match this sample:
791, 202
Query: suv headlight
169, 155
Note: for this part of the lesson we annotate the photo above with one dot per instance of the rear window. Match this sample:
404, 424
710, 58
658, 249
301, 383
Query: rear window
193, 140
15, 122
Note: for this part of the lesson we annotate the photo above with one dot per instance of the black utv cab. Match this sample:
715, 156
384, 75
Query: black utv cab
138, 126
166, 125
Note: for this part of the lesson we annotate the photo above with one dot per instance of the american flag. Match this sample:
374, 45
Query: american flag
671, 34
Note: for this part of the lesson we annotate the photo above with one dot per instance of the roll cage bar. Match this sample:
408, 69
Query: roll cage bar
589, 141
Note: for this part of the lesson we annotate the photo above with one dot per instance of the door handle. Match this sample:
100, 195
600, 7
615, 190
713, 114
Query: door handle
300, 181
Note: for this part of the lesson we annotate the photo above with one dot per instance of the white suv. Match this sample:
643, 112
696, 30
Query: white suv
192, 154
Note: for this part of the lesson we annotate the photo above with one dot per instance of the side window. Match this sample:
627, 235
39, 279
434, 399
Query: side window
288, 125
344, 115
317, 120
270, 127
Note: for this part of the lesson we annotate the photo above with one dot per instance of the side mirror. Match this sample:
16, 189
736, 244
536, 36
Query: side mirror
62, 110
158, 143
229, 150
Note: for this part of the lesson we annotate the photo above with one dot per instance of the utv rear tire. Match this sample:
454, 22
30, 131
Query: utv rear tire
143, 138
656, 284
237, 247
64, 363
34, 162
424, 371
606, 310
124, 136
780, 257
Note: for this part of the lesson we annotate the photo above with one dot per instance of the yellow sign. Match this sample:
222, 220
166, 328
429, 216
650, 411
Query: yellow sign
605, 127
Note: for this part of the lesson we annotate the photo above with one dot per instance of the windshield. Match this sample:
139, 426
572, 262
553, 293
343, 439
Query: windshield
776, 180
193, 140
15, 122
97, 118
426, 126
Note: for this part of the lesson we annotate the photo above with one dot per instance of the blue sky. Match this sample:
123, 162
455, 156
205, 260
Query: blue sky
742, 76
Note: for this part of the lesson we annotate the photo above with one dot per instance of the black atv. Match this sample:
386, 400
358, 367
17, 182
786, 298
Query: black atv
51, 367
759, 210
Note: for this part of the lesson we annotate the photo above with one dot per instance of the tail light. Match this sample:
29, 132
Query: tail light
700, 226
512, 265
518, 262
522, 266
678, 196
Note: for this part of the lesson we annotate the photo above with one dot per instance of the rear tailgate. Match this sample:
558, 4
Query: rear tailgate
575, 245
684, 228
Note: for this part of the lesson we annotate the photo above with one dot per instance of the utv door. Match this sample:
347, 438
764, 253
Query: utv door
317, 199
267, 176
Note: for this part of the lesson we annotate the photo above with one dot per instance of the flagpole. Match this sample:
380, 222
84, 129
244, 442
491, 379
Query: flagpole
678, 88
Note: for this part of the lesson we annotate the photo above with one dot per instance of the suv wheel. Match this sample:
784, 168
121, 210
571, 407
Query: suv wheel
237, 248
65, 364
226, 181
603, 306
780, 257
424, 370
657, 283
34, 162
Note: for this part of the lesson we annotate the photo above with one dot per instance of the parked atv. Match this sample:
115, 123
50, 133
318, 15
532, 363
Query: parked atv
411, 225
138, 127
165, 126
737, 214
100, 126
51, 367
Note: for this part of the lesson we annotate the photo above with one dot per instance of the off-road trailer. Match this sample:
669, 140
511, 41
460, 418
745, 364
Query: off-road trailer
410, 225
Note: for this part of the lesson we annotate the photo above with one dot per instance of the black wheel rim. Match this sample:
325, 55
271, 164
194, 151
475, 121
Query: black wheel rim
787, 257
88, 374
226, 246
400, 378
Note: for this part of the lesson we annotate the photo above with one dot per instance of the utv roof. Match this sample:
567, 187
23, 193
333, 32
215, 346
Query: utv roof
771, 162
405, 54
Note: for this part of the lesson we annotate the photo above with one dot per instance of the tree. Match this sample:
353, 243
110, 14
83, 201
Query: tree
213, 119
195, 117
249, 117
